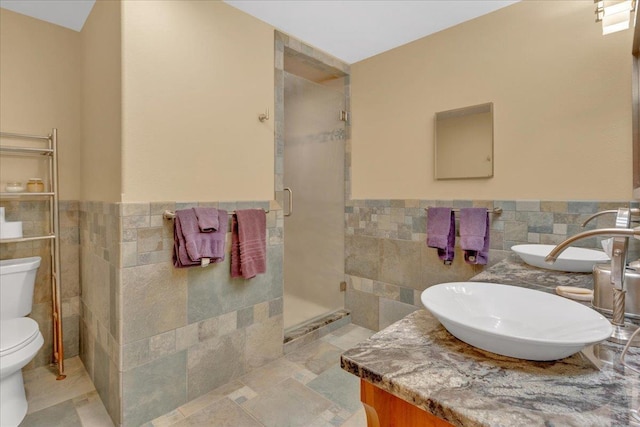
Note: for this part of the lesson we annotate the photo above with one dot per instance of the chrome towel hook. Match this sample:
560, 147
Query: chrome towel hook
264, 116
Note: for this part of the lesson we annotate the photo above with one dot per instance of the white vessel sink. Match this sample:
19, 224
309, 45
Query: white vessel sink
573, 260
514, 321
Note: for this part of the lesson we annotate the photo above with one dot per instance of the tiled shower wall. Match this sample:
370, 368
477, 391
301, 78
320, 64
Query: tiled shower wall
286, 45
388, 265
155, 337
34, 215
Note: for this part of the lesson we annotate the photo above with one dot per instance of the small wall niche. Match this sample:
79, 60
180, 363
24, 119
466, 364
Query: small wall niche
464, 142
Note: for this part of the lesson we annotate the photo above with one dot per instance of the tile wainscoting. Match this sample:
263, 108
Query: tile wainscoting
388, 265
154, 337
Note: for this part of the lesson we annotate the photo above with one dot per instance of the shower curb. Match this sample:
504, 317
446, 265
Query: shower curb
316, 329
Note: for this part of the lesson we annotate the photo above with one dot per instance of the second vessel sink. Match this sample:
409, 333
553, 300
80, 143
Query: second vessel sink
514, 321
572, 260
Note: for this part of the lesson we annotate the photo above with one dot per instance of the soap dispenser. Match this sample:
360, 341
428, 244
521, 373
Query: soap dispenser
603, 291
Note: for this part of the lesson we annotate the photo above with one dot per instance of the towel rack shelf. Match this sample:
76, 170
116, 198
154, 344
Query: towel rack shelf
50, 151
495, 211
28, 239
25, 150
172, 215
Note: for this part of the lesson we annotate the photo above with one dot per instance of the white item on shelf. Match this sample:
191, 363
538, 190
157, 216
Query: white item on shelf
14, 187
11, 230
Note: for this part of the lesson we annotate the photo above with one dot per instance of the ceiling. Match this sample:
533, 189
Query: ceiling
351, 30
66, 13
354, 30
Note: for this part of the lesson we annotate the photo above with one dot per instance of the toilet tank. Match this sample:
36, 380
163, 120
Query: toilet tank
17, 280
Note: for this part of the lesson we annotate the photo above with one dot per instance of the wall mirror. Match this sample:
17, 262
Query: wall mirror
464, 142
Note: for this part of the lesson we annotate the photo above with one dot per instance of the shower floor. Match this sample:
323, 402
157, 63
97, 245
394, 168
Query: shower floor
298, 311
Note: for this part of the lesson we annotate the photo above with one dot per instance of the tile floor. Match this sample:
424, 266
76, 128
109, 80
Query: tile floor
304, 388
73, 402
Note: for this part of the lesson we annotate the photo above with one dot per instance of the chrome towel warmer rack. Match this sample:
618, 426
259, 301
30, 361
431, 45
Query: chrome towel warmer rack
51, 151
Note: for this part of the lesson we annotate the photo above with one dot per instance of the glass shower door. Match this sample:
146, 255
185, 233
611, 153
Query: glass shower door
314, 170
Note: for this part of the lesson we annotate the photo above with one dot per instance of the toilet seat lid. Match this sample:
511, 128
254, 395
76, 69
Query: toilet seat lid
16, 334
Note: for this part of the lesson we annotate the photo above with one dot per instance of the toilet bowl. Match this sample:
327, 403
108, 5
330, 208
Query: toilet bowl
20, 337
20, 340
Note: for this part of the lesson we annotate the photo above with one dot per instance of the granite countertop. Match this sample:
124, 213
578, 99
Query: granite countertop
417, 360
513, 271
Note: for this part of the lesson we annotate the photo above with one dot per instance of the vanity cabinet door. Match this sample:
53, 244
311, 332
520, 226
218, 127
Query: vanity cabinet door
386, 410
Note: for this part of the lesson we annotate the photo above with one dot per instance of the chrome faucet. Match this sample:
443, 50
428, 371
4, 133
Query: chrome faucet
632, 212
621, 234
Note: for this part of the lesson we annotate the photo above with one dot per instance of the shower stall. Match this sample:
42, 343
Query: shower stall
314, 169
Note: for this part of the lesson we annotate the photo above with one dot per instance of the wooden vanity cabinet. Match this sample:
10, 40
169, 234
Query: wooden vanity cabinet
383, 409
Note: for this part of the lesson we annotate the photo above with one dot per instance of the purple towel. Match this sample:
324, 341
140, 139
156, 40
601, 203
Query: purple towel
191, 245
207, 219
441, 232
474, 235
248, 243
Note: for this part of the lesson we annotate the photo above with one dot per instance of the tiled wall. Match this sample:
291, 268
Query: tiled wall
34, 215
100, 323
388, 264
171, 334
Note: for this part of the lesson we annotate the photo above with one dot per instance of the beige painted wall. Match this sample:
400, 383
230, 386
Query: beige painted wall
102, 96
40, 89
562, 107
195, 77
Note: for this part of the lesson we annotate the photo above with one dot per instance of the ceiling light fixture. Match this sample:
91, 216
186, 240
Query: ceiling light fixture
615, 15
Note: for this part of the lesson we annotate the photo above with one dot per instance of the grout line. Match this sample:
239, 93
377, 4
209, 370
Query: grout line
246, 411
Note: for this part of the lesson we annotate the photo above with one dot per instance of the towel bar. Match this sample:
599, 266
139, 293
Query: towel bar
171, 215
496, 211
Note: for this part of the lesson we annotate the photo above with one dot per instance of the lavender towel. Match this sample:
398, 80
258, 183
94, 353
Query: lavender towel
207, 219
248, 243
474, 235
191, 245
441, 232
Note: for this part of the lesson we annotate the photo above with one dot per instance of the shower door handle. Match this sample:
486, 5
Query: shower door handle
290, 201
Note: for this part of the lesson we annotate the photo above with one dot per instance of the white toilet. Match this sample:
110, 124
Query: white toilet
20, 338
